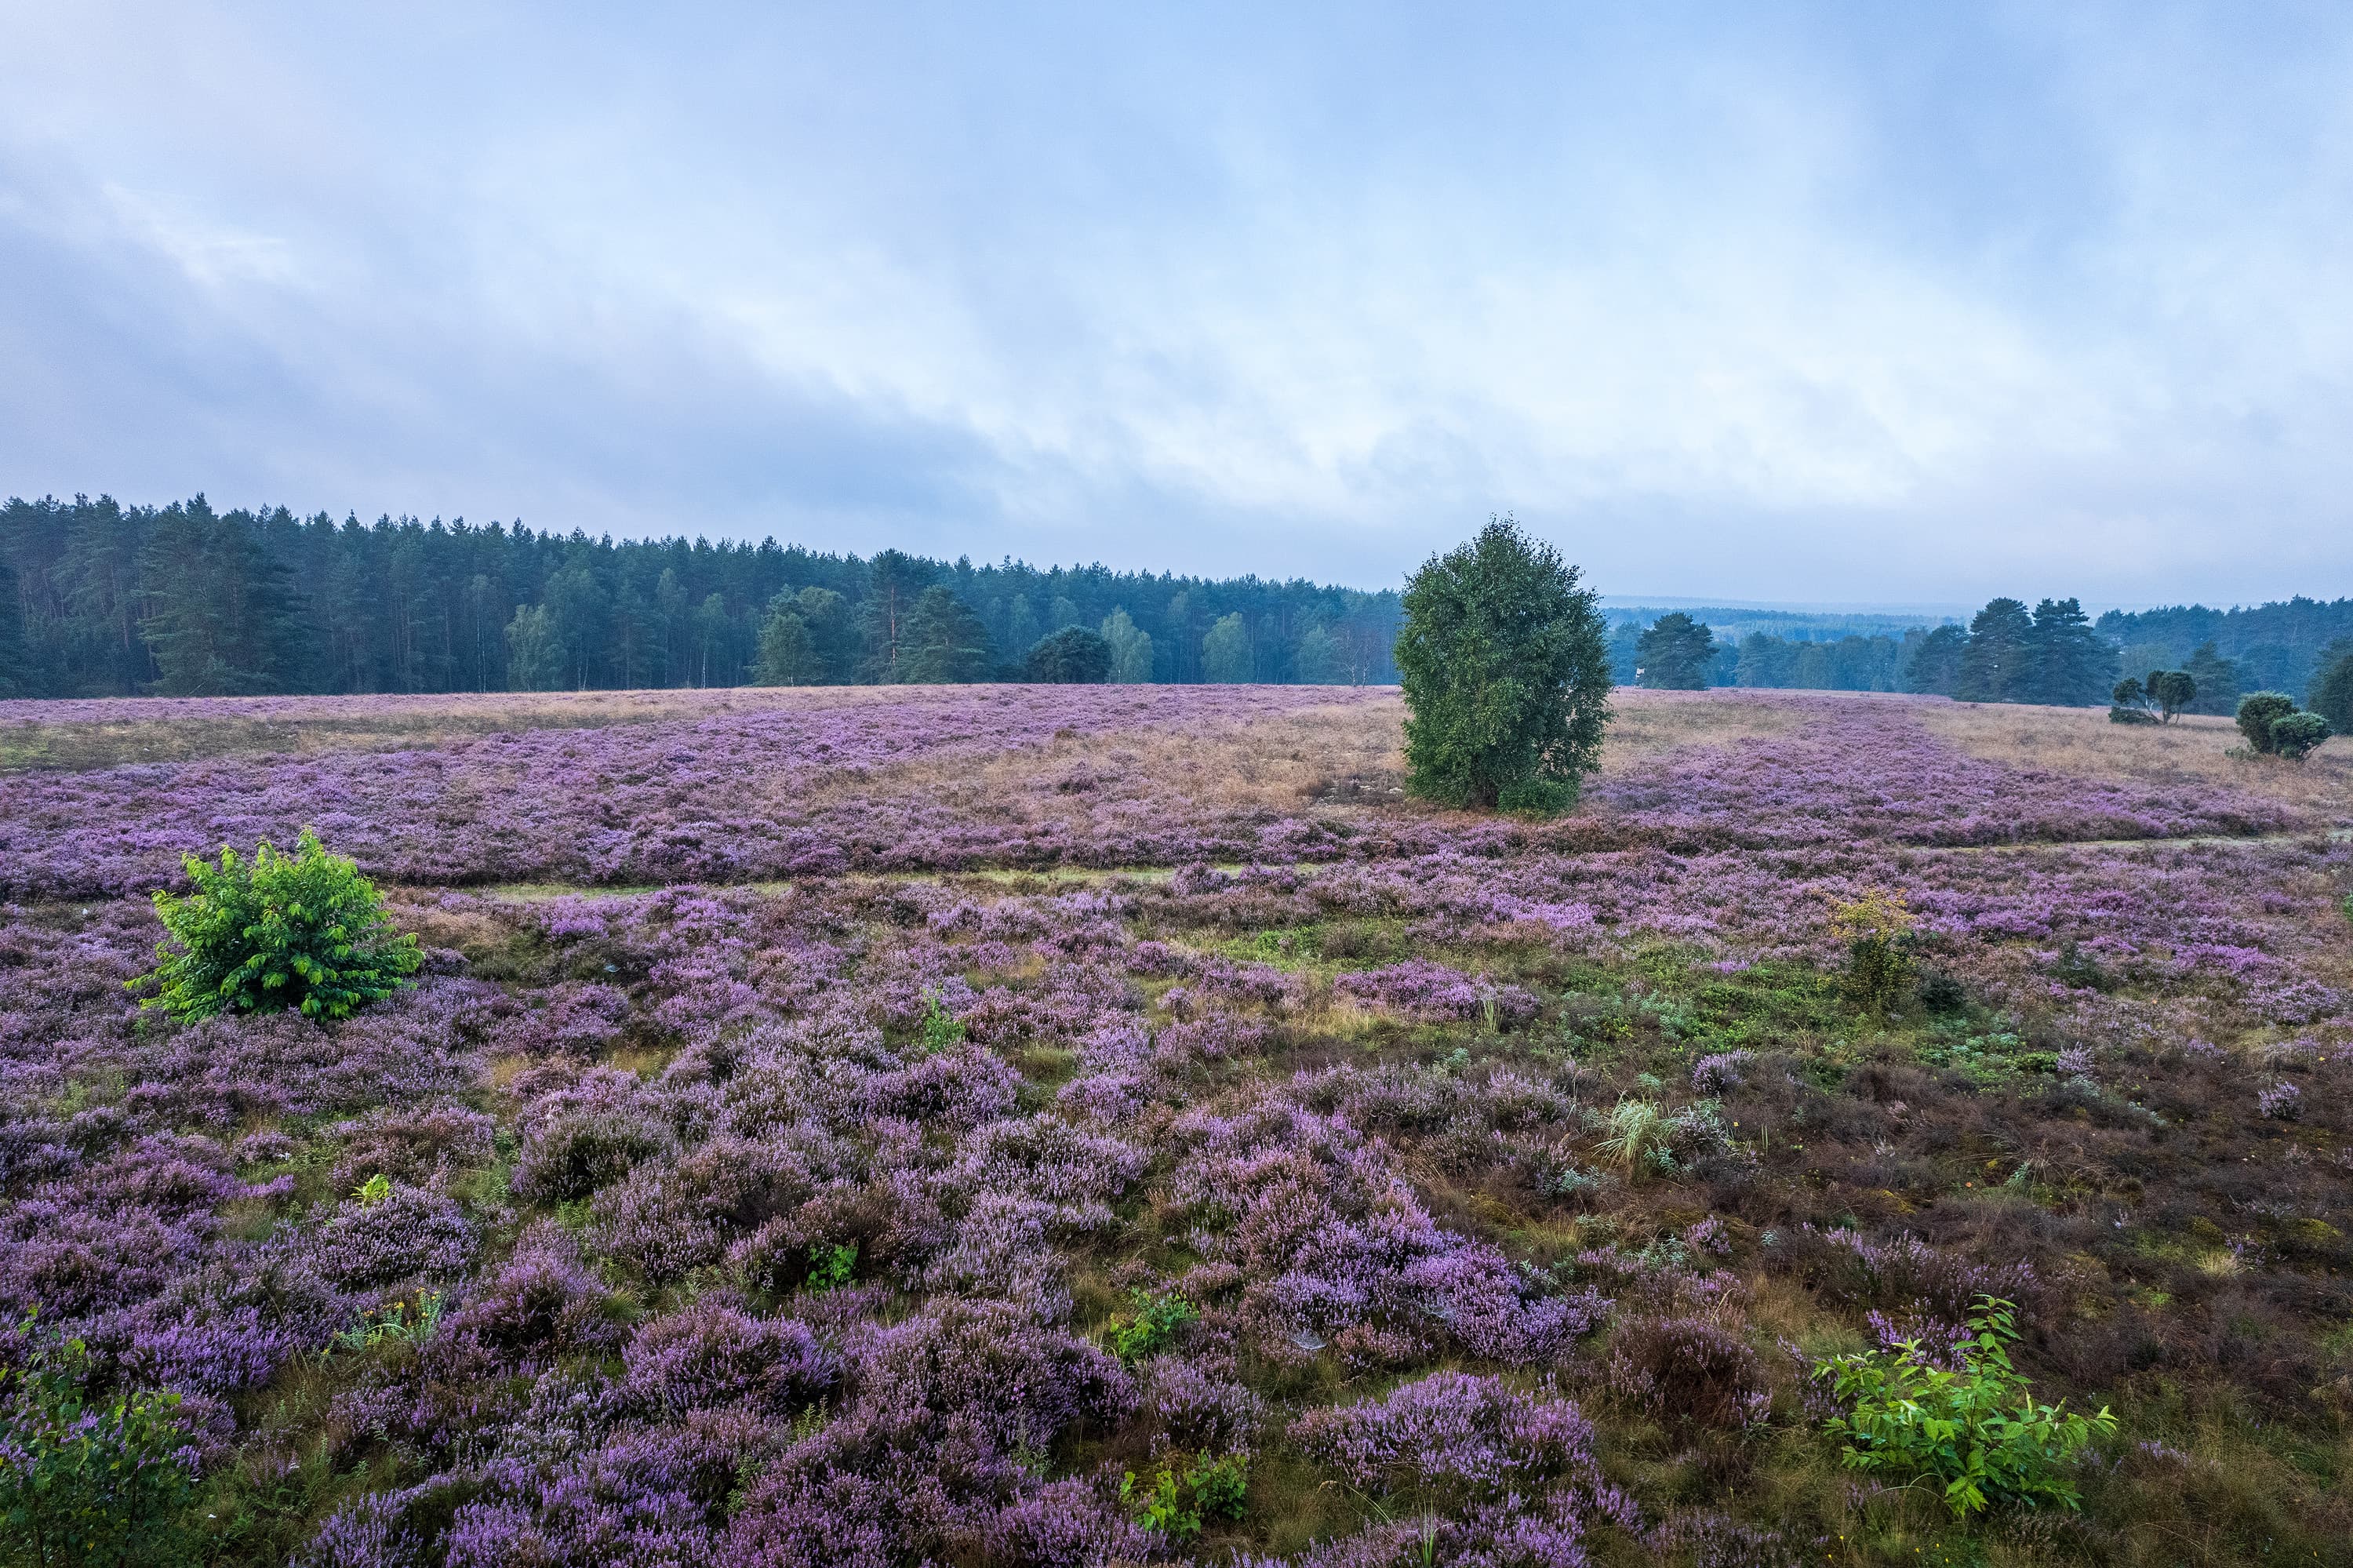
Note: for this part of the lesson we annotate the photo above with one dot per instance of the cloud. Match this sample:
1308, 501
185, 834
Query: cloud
1784, 306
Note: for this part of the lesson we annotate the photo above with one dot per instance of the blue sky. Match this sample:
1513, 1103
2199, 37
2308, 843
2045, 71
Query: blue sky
1879, 303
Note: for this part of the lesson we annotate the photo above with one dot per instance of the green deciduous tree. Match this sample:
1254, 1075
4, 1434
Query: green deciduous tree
1131, 649
2293, 735
1226, 650
86, 1481
1675, 653
1506, 672
788, 655
534, 659
1072, 656
304, 930
1976, 1431
2170, 692
1320, 659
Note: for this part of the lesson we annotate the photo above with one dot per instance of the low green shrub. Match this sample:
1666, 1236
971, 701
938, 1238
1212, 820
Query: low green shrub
1178, 1497
941, 1030
393, 1321
304, 930
2258, 711
832, 1266
1977, 1430
1151, 1323
2295, 736
88, 1480
1877, 931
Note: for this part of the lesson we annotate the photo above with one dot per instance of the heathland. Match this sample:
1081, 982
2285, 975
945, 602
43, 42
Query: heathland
1019, 1125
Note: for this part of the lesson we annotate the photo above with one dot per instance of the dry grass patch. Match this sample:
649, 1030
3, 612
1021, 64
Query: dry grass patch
1276, 763
2191, 750
1649, 726
77, 736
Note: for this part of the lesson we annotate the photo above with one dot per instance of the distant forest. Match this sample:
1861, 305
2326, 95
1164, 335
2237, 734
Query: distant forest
2008, 652
102, 600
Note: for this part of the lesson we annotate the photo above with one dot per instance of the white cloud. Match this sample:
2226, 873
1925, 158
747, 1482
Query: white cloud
1780, 309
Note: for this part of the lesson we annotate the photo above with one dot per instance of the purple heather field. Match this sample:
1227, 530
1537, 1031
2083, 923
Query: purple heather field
914, 1129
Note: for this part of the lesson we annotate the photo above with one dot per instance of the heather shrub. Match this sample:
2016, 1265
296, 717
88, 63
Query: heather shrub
1506, 668
1063, 1524
1452, 1434
1721, 1072
990, 1363
712, 1354
1688, 1372
88, 1478
1904, 1273
581, 1139
304, 931
665, 1219
408, 1145
1199, 1411
408, 1231
1976, 1429
539, 1305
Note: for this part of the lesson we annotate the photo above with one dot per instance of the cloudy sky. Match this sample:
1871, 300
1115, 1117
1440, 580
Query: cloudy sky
1869, 302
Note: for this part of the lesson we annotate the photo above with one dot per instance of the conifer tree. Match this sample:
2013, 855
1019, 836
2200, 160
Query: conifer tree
1675, 653
1506, 672
1994, 664
943, 642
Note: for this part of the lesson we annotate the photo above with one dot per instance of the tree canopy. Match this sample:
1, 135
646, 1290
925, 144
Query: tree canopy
1675, 653
99, 599
1505, 666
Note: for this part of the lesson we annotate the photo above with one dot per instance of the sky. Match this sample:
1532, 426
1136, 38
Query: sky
1880, 302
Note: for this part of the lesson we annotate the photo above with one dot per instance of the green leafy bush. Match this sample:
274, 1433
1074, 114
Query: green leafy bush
1877, 931
941, 1030
831, 1266
2293, 735
393, 1321
1151, 1322
1977, 1430
304, 930
1179, 1495
2258, 711
1506, 668
88, 1481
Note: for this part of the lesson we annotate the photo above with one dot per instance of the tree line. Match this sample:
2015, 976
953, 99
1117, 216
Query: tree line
97, 598
2051, 654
